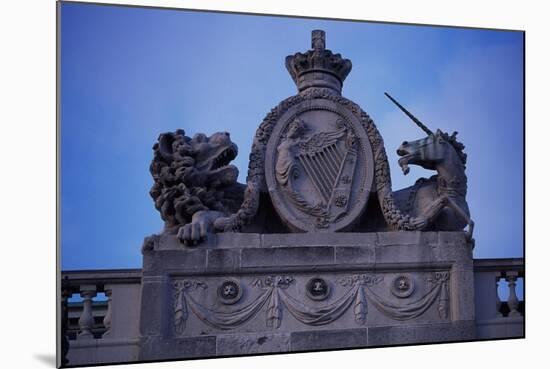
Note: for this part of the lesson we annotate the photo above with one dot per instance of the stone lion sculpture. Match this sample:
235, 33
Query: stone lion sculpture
194, 183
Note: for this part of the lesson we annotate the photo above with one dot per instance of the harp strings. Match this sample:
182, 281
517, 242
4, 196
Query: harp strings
323, 167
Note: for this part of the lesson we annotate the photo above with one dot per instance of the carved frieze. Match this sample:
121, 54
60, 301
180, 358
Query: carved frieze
357, 292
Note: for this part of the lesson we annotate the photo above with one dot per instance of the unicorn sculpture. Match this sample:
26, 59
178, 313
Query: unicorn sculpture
438, 203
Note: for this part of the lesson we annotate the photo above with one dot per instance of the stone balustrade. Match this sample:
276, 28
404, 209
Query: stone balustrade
107, 330
100, 315
496, 318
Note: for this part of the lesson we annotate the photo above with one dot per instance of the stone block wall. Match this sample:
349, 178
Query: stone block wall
250, 293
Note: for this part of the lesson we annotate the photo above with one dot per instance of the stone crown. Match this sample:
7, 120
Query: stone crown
318, 67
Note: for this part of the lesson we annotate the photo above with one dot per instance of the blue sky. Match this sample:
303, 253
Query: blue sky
128, 74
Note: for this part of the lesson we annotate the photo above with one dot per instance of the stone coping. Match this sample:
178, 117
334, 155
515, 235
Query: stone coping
256, 240
480, 265
248, 252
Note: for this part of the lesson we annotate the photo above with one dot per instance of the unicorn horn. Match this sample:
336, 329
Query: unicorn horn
413, 118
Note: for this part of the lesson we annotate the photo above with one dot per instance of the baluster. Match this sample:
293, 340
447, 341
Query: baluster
107, 318
513, 302
499, 303
86, 321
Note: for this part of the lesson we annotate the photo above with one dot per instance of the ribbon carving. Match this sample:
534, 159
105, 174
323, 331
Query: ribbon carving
180, 303
441, 279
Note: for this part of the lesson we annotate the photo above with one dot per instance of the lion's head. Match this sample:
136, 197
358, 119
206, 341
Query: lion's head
190, 174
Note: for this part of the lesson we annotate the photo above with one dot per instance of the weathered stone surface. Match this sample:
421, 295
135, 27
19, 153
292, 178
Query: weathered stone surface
429, 238
105, 351
288, 256
398, 238
453, 246
260, 343
328, 339
400, 335
223, 259
354, 255
238, 240
486, 295
318, 239
455, 239
159, 348
172, 242
462, 293
389, 254
500, 327
153, 306
125, 310
229, 240
190, 260
169, 242
423, 248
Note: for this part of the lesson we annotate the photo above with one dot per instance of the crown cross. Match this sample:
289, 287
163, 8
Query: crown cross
318, 40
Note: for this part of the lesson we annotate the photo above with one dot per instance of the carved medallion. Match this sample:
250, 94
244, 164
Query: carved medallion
402, 286
317, 289
319, 166
229, 292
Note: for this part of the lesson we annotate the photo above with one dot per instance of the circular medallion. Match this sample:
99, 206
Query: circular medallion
229, 292
317, 289
402, 286
319, 166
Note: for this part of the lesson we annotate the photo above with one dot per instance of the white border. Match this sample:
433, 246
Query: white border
28, 180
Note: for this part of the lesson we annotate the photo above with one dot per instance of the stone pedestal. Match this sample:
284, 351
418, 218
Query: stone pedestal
243, 293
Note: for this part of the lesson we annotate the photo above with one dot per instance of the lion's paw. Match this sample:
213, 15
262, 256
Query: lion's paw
192, 234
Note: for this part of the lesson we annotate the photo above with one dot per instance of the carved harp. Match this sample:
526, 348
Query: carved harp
328, 159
